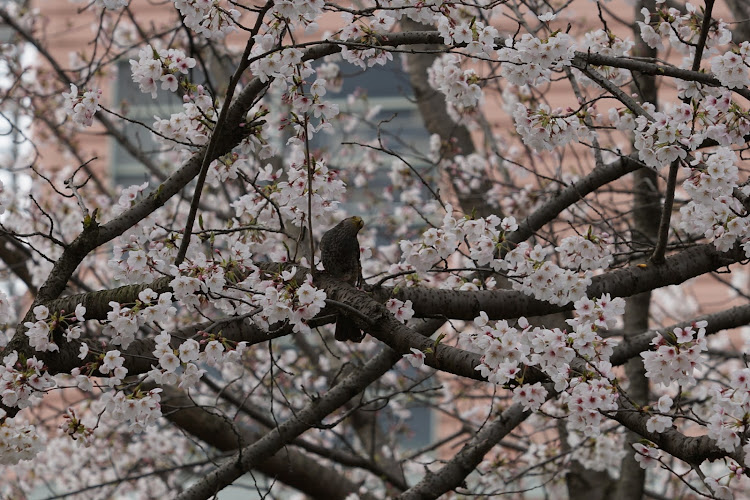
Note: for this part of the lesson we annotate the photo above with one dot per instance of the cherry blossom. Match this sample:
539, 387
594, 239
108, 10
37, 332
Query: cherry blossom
646, 456
207, 18
415, 358
530, 396
675, 359
81, 107
18, 441
530, 60
154, 66
402, 311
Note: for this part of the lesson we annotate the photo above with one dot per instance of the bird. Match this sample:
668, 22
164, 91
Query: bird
339, 253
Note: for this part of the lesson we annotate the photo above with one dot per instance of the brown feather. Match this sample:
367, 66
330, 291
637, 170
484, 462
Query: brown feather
339, 252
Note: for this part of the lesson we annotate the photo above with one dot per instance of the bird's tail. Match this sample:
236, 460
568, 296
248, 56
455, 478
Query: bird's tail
346, 330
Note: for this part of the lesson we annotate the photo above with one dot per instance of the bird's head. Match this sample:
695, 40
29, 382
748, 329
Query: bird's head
355, 223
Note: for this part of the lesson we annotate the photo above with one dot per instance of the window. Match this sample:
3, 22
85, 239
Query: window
384, 92
141, 108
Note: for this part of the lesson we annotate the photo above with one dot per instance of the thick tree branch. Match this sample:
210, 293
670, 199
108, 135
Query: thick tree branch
310, 416
453, 474
290, 465
505, 304
724, 320
693, 450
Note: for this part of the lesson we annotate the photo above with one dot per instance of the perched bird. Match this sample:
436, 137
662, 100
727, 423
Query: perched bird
339, 252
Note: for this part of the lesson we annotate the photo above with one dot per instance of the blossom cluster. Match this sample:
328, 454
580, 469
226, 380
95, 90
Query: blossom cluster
676, 356
504, 348
283, 301
438, 243
279, 64
201, 281
142, 256
587, 401
600, 313
732, 68
81, 107
365, 57
184, 357
127, 199
253, 207
551, 351
21, 381
534, 275
402, 311
209, 19
141, 409
40, 331
667, 137
529, 268
303, 104
731, 406
713, 211
646, 455
547, 129
478, 38
727, 121
485, 236
713, 115
586, 252
159, 66
198, 277
530, 396
18, 441
134, 262
682, 29
608, 44
584, 339
112, 362
291, 195
459, 86
531, 60
123, 322
297, 13
190, 125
